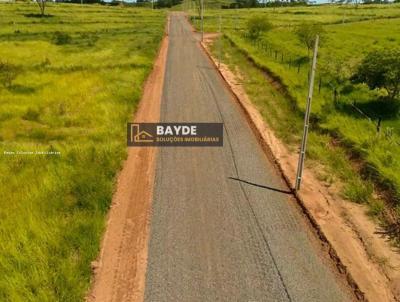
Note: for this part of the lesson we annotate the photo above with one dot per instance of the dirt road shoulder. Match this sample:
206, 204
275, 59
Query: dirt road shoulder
119, 272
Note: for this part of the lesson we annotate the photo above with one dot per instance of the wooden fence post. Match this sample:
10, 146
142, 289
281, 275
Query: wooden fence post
319, 85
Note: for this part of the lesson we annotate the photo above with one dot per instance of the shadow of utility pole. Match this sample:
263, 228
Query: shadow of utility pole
262, 186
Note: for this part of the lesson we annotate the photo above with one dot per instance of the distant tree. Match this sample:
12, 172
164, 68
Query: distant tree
42, 6
248, 3
198, 7
337, 71
257, 25
307, 32
167, 3
251, 3
85, 1
380, 69
142, 2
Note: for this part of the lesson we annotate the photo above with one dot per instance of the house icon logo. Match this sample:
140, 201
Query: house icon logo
138, 136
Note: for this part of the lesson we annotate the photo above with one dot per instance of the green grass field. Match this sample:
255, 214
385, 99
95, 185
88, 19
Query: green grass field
74, 93
350, 33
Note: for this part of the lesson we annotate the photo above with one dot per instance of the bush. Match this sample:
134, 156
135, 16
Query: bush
8, 73
89, 39
257, 25
61, 38
381, 69
46, 62
31, 115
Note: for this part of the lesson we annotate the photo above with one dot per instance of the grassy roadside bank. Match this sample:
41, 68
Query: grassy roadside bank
344, 135
282, 115
349, 128
80, 76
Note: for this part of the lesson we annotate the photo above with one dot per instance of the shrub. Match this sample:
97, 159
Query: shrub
8, 73
90, 39
257, 25
31, 115
61, 38
45, 63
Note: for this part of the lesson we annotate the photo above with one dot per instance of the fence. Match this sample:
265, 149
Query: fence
302, 64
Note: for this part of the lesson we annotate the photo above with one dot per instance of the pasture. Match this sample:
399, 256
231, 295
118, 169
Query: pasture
76, 78
345, 112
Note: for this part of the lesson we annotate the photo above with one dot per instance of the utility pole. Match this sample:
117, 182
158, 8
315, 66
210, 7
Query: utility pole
307, 117
202, 17
220, 42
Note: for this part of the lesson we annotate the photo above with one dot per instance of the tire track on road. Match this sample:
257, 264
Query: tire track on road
210, 87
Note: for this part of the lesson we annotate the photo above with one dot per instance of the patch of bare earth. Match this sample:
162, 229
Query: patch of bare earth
119, 271
369, 261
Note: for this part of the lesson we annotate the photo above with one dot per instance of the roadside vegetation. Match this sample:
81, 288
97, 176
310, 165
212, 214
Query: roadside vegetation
356, 106
69, 82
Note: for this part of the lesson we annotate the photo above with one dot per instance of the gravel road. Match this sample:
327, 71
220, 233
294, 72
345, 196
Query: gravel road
222, 226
